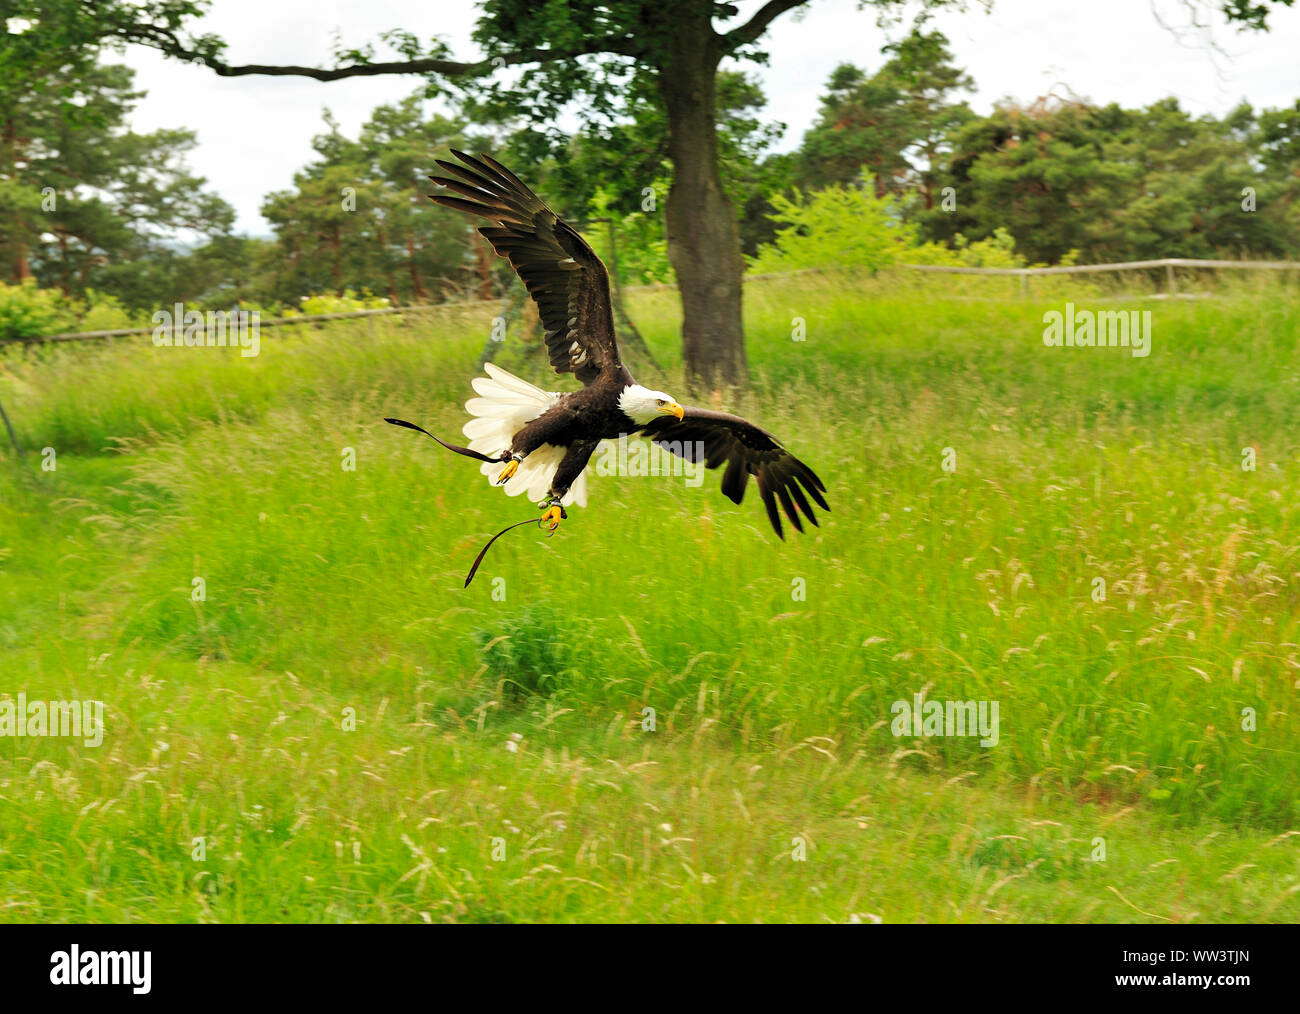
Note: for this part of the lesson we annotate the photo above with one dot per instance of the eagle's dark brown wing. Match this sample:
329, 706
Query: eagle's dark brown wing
748, 450
561, 272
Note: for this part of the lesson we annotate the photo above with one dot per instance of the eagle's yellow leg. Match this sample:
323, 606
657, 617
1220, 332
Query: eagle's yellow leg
552, 516
511, 468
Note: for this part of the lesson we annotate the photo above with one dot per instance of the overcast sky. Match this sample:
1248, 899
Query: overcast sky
254, 132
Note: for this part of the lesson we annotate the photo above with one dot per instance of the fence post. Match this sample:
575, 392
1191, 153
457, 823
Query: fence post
1170, 284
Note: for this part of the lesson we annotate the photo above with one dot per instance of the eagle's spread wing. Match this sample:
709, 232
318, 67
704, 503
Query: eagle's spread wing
561, 272
748, 450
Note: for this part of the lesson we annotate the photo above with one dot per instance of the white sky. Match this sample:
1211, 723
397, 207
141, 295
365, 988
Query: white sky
254, 132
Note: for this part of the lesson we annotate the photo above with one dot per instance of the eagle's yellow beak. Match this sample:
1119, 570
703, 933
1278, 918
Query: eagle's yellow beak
672, 408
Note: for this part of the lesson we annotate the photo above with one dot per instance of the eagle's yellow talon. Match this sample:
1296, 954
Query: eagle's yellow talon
510, 469
551, 518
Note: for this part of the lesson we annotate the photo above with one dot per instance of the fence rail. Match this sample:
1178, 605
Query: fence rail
1168, 263
306, 318
1072, 269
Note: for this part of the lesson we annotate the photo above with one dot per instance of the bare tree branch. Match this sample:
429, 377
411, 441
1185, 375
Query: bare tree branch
168, 43
753, 29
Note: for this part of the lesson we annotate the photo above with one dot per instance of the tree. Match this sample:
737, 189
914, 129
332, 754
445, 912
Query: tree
357, 215
89, 199
894, 121
1115, 184
618, 165
569, 50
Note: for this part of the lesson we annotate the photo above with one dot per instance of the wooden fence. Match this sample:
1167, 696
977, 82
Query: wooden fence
1170, 264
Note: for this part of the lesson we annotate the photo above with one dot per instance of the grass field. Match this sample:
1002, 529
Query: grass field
497, 767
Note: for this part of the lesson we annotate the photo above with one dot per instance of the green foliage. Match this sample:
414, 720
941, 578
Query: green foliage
531, 652
611, 161
1059, 177
357, 216
1066, 181
997, 251
642, 247
896, 123
1116, 184
99, 311
345, 303
27, 311
838, 226
89, 197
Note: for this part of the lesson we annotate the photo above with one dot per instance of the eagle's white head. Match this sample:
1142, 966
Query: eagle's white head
643, 406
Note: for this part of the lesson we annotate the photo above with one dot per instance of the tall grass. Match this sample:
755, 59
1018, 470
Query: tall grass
1157, 715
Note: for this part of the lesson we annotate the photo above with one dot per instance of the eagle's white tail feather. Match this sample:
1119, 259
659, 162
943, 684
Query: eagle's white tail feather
514, 383
496, 406
505, 404
498, 392
485, 427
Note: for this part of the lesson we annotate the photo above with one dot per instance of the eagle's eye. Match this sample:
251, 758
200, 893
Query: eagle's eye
660, 402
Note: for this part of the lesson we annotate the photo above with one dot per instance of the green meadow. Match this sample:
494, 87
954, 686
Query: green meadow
663, 712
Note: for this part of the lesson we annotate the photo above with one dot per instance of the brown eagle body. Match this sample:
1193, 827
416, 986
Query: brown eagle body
569, 283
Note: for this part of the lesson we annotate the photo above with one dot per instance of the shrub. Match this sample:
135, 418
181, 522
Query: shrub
529, 653
29, 312
346, 303
845, 227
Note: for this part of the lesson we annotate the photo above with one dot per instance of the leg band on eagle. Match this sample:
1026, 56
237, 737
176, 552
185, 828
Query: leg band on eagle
553, 513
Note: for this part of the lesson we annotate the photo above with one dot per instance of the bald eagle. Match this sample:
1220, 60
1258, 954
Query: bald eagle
539, 442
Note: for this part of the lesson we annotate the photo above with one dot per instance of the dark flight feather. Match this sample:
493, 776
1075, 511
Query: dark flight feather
561, 272
749, 450
570, 286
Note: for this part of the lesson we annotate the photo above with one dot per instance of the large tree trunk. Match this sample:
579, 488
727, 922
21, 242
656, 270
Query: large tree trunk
21, 269
418, 294
336, 244
703, 234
